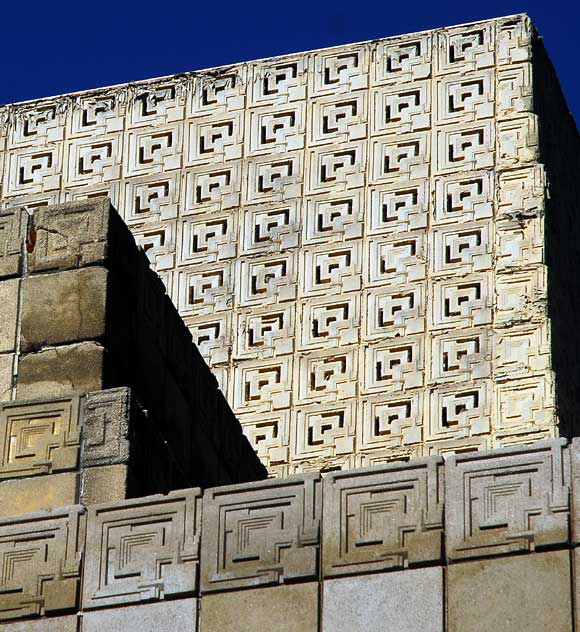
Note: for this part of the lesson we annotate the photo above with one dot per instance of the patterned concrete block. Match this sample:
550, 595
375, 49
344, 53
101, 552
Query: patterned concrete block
142, 550
508, 501
41, 561
382, 517
261, 533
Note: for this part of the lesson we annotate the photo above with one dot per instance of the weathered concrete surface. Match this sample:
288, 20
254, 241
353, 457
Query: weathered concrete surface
511, 594
403, 600
8, 314
292, 608
61, 370
64, 307
39, 493
177, 616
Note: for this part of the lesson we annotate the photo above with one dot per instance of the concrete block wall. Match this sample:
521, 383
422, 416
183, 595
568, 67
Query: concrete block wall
83, 312
480, 541
358, 238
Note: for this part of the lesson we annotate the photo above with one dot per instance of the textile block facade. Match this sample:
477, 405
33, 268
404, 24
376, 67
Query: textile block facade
358, 238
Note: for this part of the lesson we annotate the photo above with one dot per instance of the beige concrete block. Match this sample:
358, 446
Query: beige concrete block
46, 624
404, 600
511, 594
8, 314
63, 307
177, 616
62, 370
39, 493
6, 362
104, 484
290, 608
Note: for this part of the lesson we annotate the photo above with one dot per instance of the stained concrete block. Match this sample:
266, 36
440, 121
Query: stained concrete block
63, 307
39, 493
6, 362
104, 484
177, 616
46, 624
511, 594
8, 314
408, 600
290, 608
61, 370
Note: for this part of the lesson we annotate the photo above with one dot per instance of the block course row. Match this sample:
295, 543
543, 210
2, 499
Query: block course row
404, 516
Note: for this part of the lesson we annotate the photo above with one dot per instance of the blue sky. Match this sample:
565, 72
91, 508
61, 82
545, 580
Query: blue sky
54, 48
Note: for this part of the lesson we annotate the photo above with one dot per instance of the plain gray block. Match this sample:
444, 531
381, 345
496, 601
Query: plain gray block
177, 616
401, 601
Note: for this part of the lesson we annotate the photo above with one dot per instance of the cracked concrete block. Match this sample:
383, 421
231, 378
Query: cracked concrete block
6, 364
38, 493
511, 594
290, 608
8, 314
56, 371
403, 600
63, 307
177, 616
47, 624
382, 517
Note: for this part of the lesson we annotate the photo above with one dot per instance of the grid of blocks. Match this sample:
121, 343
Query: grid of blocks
354, 236
480, 541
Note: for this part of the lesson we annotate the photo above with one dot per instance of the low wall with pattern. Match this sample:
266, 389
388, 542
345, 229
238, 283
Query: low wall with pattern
480, 541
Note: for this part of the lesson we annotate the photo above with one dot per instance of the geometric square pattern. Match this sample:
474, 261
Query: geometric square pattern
261, 533
142, 550
383, 517
515, 500
359, 228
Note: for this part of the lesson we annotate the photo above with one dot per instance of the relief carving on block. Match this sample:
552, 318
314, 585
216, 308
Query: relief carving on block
402, 60
107, 423
466, 48
390, 421
261, 533
40, 558
143, 549
383, 518
334, 120
517, 500
401, 109
398, 208
333, 217
39, 437
323, 430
